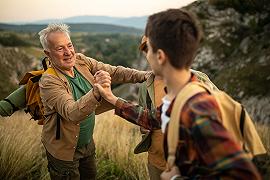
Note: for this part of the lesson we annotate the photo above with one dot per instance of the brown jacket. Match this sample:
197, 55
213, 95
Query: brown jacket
57, 98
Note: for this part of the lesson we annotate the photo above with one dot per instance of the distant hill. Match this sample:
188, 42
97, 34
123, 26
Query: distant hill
136, 22
83, 27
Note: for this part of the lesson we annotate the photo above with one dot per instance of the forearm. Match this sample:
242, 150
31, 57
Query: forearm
119, 74
137, 115
18, 100
79, 110
55, 97
5, 109
127, 75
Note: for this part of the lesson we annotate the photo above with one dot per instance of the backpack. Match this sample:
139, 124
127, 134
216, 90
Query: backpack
234, 118
31, 79
145, 143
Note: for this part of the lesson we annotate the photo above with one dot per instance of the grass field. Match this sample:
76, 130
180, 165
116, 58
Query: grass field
22, 154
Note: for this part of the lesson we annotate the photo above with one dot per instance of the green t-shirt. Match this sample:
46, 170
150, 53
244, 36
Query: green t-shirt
80, 86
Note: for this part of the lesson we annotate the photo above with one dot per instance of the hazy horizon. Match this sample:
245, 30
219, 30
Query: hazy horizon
14, 11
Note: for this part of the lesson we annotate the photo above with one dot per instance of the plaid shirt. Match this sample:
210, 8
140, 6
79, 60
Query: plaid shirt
205, 150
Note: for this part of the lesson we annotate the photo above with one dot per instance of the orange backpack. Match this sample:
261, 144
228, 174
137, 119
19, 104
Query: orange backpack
31, 79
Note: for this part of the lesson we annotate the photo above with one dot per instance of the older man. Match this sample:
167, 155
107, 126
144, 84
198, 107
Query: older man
70, 102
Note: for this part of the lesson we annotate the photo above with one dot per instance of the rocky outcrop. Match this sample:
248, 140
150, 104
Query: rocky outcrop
235, 52
14, 64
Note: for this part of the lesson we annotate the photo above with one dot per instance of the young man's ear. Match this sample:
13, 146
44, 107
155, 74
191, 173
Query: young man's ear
161, 56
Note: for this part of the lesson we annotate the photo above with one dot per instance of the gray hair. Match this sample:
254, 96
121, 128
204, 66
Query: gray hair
54, 27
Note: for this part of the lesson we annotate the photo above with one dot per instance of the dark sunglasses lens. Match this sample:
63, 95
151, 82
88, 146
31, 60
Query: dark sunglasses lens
144, 47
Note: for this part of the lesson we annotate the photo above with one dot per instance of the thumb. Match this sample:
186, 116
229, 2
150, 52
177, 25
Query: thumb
98, 86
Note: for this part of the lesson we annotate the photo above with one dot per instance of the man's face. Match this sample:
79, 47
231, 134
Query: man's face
61, 50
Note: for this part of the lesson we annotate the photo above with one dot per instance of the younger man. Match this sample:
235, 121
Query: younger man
173, 38
150, 95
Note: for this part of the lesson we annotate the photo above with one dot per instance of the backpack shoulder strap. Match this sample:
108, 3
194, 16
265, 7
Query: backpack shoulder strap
36, 74
183, 96
51, 70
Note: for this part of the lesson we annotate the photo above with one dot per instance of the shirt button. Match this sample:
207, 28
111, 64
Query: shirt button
74, 147
77, 124
76, 136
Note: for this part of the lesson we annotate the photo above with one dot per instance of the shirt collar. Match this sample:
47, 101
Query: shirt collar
191, 79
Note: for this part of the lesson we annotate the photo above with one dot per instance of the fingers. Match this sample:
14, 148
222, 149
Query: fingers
99, 87
103, 78
174, 172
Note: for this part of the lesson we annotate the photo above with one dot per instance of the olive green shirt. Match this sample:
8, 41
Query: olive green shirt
80, 86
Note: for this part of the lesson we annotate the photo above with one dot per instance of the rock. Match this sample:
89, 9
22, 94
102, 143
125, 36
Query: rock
244, 45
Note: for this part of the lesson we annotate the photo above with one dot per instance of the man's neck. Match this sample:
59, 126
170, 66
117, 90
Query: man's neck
157, 77
70, 72
175, 81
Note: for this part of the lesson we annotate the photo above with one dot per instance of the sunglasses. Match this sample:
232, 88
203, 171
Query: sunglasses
143, 47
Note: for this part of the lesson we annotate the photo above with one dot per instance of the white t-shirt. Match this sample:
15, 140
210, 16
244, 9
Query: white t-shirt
164, 118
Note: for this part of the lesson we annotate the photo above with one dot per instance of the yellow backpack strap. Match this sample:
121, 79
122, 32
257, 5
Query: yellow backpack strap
185, 94
51, 70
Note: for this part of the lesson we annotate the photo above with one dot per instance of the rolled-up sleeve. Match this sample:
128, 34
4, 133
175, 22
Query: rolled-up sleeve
119, 74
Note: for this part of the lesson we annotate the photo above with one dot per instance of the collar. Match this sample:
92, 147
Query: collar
81, 67
191, 79
150, 79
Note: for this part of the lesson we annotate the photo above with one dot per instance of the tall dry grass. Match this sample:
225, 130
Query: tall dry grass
22, 155
20, 149
115, 140
264, 132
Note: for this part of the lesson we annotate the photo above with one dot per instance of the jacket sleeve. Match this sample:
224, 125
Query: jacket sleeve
142, 101
17, 98
148, 119
142, 95
55, 96
119, 74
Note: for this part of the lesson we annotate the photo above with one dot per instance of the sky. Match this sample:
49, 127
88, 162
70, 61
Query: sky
12, 11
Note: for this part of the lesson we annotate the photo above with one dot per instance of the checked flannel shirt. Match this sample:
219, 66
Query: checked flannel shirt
206, 149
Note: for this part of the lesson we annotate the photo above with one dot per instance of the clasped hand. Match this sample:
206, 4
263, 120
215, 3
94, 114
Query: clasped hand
103, 84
